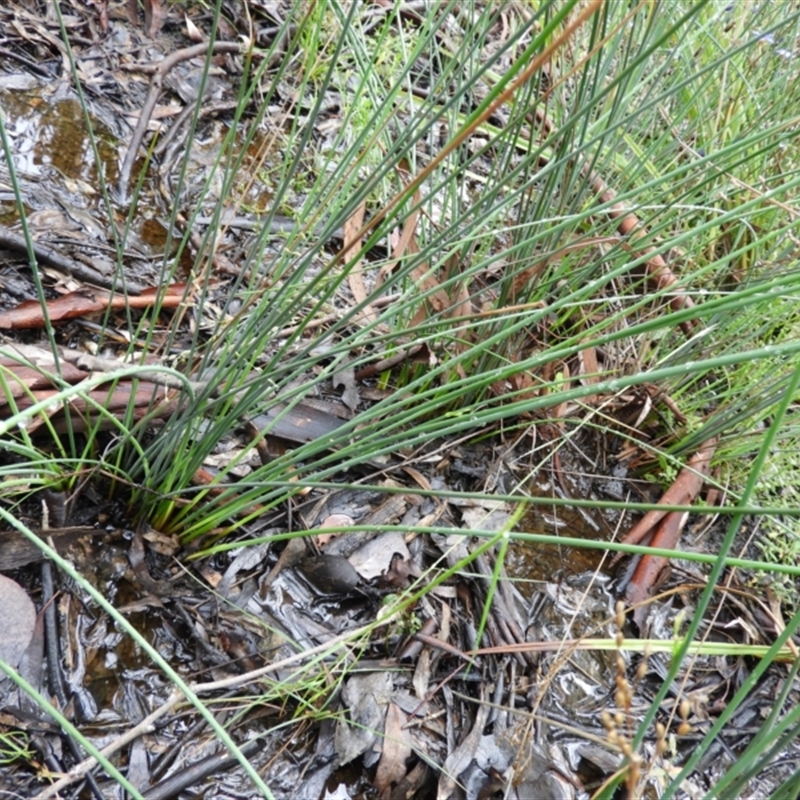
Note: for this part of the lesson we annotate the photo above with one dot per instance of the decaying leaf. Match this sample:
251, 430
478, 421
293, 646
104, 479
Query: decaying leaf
396, 750
355, 277
345, 379
461, 757
367, 698
375, 557
16, 622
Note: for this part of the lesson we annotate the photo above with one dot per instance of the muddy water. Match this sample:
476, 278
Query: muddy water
50, 139
530, 564
542, 563
59, 174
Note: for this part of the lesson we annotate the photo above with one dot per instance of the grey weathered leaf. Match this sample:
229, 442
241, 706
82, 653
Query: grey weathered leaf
16, 622
366, 697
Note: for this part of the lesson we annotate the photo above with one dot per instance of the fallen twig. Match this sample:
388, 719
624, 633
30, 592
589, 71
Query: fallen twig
49, 257
659, 275
664, 528
658, 272
683, 490
156, 84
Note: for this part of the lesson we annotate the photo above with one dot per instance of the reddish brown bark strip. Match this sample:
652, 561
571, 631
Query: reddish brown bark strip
146, 399
664, 528
682, 492
659, 275
648, 572
29, 314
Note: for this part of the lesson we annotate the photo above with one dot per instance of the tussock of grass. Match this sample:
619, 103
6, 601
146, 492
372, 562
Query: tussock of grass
515, 266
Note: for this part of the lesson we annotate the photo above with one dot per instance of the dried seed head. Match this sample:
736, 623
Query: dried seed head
620, 615
634, 770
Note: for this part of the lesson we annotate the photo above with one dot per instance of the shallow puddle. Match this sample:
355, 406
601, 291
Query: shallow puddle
50, 134
530, 563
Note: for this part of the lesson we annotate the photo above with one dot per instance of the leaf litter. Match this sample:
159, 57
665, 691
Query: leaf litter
437, 696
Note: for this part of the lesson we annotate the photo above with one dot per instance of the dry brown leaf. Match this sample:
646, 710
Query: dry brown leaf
154, 17
192, 31
394, 752
407, 244
590, 370
355, 278
332, 521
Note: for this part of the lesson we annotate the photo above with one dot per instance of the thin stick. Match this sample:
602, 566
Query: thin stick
49, 257
147, 725
159, 71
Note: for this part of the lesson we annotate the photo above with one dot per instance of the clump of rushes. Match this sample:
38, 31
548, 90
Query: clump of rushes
488, 253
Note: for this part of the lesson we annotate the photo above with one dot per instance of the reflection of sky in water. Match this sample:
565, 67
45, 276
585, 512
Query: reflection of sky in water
51, 133
53, 156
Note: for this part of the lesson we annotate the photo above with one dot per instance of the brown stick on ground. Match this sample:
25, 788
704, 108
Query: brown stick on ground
648, 572
683, 490
664, 527
98, 406
30, 313
659, 273
660, 276
159, 71
51, 258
